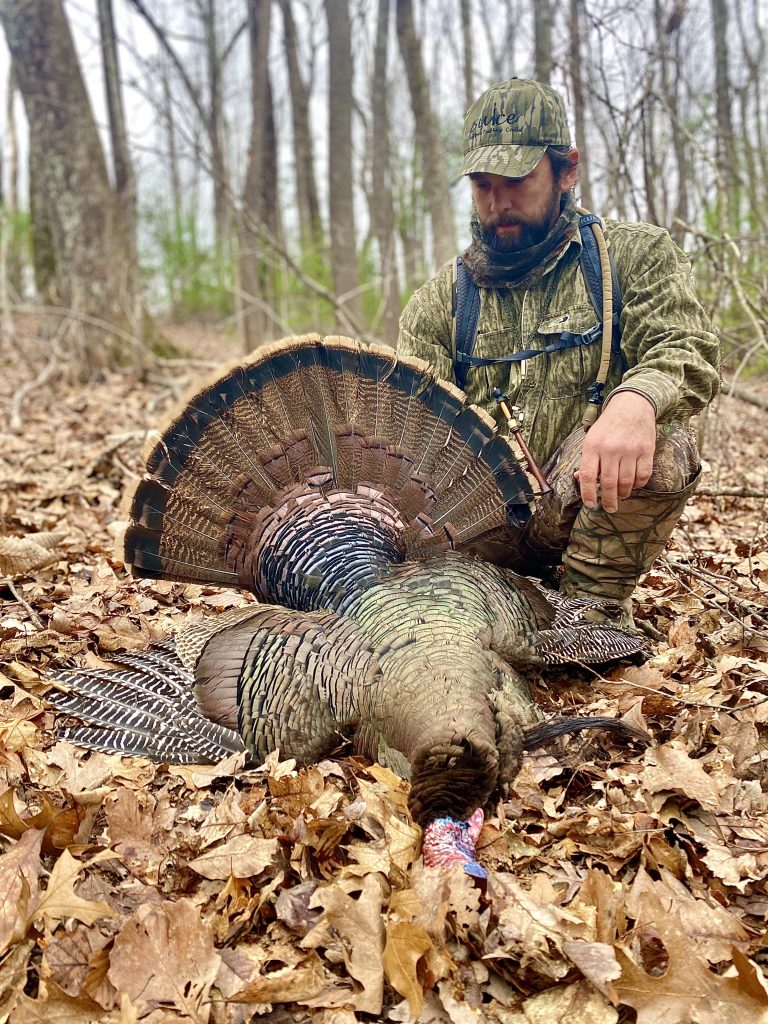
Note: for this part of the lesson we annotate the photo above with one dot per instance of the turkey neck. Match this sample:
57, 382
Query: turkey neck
318, 551
432, 717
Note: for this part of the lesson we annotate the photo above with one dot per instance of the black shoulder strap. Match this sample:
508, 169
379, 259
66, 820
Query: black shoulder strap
466, 307
466, 313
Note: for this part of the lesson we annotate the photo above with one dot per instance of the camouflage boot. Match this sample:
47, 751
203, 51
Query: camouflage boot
607, 553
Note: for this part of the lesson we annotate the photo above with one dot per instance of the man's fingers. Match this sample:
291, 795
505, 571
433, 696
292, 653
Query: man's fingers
644, 470
627, 479
609, 479
587, 475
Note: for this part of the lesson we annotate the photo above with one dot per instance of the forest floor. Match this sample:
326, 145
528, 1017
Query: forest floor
623, 885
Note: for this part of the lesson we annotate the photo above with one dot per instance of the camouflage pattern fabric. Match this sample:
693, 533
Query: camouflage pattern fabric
667, 340
604, 554
507, 130
673, 359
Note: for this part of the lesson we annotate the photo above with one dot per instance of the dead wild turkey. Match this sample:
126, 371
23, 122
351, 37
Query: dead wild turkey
337, 482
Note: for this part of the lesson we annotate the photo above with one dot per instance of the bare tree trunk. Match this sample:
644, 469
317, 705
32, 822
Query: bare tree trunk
310, 225
15, 260
577, 18
543, 63
346, 275
670, 48
125, 179
255, 283
382, 208
222, 205
434, 177
726, 149
466, 35
71, 194
175, 283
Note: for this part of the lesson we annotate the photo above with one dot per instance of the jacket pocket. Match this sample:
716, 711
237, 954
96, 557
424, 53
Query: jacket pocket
570, 371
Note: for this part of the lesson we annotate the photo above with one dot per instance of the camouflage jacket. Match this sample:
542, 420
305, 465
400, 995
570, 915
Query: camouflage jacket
671, 350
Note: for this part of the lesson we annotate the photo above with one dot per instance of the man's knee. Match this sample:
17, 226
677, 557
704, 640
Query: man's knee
676, 463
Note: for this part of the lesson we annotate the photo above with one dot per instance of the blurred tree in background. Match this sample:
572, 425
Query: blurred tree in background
294, 165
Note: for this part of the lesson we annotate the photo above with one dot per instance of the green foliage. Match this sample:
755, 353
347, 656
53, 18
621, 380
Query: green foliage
19, 253
190, 278
301, 307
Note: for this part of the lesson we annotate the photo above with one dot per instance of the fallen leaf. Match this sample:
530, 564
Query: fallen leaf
52, 1006
165, 955
19, 874
686, 991
20, 556
672, 769
242, 856
596, 961
573, 1004
356, 925
406, 944
60, 901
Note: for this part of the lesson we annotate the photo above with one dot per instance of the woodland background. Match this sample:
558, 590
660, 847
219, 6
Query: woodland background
182, 181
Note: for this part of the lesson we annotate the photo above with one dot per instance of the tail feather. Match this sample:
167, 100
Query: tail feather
326, 416
543, 733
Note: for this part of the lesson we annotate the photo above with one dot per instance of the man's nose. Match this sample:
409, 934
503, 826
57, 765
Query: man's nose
501, 201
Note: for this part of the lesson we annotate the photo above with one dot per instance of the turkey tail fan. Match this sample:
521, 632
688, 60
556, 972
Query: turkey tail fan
543, 733
145, 708
319, 423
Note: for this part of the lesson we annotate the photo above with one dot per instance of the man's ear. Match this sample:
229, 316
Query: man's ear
569, 175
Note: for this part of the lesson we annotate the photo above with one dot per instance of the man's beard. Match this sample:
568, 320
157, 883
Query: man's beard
531, 232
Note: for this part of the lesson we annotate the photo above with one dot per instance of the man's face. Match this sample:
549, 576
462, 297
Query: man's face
517, 213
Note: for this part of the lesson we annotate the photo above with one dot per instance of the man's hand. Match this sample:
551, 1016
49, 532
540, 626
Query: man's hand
618, 451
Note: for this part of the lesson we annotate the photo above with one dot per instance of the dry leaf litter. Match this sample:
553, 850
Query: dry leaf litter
623, 886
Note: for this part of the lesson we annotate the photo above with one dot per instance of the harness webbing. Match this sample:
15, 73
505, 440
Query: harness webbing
466, 311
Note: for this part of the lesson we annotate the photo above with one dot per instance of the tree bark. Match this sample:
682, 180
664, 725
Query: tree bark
15, 256
726, 149
125, 179
469, 69
382, 207
222, 205
542, 40
73, 204
344, 265
255, 277
579, 105
310, 224
434, 177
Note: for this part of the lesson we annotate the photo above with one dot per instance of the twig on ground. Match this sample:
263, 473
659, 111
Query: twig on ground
747, 608
731, 492
8, 582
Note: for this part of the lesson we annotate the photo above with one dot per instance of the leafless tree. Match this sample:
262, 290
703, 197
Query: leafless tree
543, 62
256, 286
427, 139
382, 208
576, 28
80, 241
344, 265
310, 224
726, 149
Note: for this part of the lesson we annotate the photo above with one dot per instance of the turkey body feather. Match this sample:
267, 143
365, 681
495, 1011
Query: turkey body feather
339, 484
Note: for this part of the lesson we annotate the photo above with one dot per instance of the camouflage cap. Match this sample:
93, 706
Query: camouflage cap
507, 130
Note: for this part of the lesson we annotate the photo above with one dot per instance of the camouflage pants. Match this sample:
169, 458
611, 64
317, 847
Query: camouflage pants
604, 554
